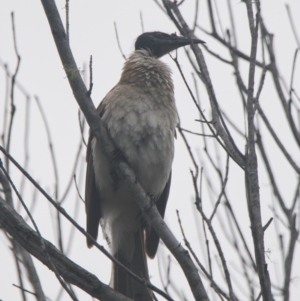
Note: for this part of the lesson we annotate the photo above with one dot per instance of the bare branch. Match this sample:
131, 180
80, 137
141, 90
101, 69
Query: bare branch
218, 121
118, 41
251, 172
292, 24
91, 76
78, 227
209, 276
289, 259
12, 90
18, 250
71, 272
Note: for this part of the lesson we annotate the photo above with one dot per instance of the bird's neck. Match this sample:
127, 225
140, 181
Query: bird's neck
142, 69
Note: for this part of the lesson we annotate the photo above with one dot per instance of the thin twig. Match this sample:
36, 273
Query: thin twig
194, 133
216, 55
142, 21
209, 276
12, 90
289, 259
77, 189
196, 14
55, 169
91, 76
71, 294
224, 182
218, 120
26, 141
265, 227
293, 73
292, 24
51, 147
76, 162
15, 253
195, 102
81, 125
232, 23
25, 290
242, 236
118, 41
70, 271
278, 141
218, 247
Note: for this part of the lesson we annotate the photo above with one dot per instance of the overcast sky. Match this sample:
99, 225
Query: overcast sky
92, 32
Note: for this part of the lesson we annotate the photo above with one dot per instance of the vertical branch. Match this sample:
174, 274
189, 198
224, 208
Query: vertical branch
53, 157
6, 102
20, 251
67, 21
292, 24
118, 41
32, 275
91, 76
16, 251
211, 15
294, 233
251, 171
13, 81
54, 164
142, 22
42, 241
232, 23
26, 140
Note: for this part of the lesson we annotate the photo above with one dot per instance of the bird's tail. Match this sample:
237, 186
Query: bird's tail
123, 282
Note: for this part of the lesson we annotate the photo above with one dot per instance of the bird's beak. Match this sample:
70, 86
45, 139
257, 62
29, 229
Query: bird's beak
172, 42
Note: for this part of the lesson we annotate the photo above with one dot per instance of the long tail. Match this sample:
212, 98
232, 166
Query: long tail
124, 283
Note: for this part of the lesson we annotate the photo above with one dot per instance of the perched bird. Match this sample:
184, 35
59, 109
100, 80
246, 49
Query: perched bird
140, 115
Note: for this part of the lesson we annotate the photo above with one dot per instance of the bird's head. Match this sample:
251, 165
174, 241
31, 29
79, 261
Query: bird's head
159, 43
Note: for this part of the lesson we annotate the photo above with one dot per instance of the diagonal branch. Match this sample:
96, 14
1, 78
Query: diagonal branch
151, 213
217, 119
70, 271
18, 250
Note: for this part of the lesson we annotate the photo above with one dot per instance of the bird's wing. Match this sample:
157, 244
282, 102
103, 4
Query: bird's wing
152, 239
92, 195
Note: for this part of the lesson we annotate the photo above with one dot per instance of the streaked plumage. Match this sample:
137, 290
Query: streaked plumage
141, 117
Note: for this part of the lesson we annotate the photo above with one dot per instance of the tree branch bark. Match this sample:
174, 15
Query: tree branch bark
14, 224
251, 172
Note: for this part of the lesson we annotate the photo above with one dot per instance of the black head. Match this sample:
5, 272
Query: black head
159, 43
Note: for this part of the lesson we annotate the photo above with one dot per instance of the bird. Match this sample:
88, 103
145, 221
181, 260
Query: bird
141, 117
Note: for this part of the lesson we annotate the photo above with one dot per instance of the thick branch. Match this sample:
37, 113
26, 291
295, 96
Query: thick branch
70, 271
251, 172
